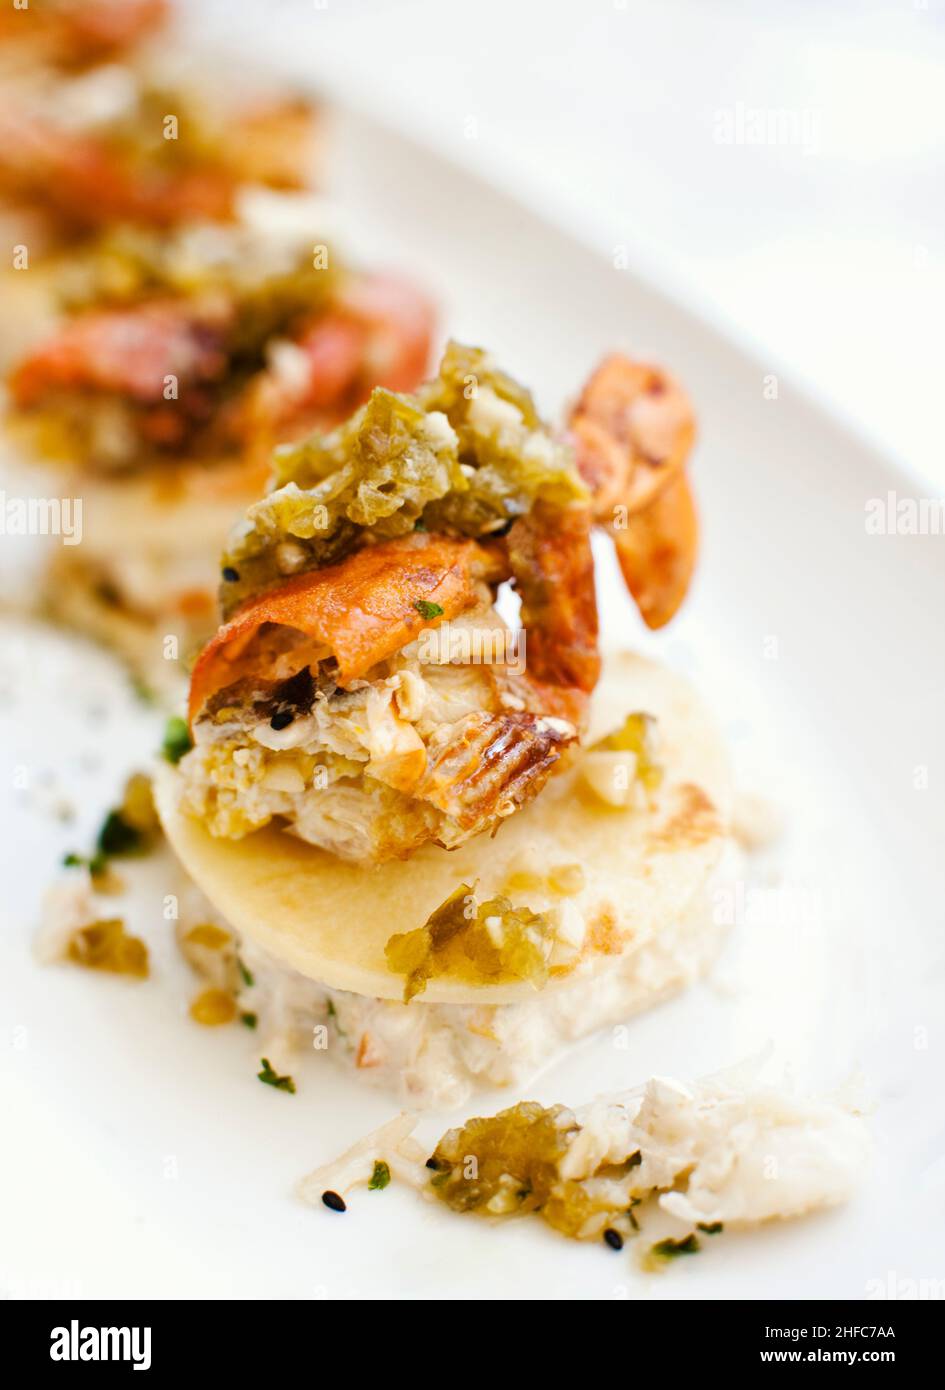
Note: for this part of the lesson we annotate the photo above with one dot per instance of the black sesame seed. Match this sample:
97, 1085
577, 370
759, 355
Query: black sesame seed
281, 719
333, 1202
432, 1163
230, 574
613, 1238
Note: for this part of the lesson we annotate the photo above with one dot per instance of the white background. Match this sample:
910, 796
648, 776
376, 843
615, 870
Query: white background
826, 247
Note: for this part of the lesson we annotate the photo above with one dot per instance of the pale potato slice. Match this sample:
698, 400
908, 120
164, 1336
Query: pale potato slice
642, 866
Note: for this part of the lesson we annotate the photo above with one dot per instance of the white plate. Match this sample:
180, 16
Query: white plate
141, 1156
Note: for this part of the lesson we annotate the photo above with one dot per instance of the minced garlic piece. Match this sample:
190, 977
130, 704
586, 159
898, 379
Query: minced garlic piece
621, 766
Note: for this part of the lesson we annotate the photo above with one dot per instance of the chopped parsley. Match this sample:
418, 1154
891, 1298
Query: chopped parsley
248, 1020
119, 836
269, 1077
711, 1228
130, 828
177, 739
428, 610
96, 863
380, 1177
668, 1249
248, 980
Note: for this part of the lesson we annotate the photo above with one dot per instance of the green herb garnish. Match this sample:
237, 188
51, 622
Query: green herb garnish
248, 980
130, 828
269, 1077
668, 1249
177, 739
380, 1177
711, 1228
96, 864
248, 1020
118, 836
427, 609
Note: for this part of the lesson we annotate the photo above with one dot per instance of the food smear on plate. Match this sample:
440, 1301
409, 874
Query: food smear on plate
727, 1151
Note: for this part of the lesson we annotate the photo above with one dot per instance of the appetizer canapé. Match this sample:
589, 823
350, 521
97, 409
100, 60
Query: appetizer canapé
361, 717
183, 358
147, 143
211, 343
318, 700
363, 695
98, 134
72, 34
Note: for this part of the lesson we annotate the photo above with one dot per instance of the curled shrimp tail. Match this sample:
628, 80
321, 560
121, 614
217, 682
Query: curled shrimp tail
657, 552
633, 428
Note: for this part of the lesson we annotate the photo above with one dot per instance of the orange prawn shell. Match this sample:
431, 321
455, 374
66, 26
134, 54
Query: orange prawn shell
362, 610
633, 429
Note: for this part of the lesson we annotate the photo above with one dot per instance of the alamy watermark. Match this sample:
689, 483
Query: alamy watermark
905, 1288
446, 645
893, 515
79, 1343
742, 124
42, 516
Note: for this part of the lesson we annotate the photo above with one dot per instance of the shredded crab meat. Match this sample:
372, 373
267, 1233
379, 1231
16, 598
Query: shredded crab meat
437, 1055
413, 750
392, 1144
728, 1149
